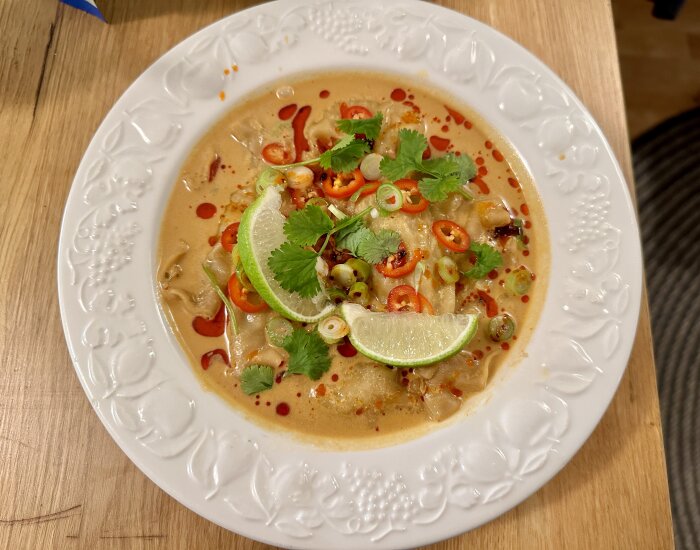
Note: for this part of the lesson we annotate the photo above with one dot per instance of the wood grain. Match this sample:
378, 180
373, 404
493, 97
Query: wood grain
64, 483
660, 62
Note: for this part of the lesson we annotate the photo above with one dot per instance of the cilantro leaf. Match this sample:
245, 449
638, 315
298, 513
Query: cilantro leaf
437, 188
294, 268
304, 227
370, 127
345, 155
351, 240
445, 175
257, 378
487, 258
374, 247
308, 354
409, 156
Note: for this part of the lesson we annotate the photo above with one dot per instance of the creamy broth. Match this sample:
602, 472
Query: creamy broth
357, 399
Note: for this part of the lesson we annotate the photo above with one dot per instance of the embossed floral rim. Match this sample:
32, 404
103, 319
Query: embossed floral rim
280, 491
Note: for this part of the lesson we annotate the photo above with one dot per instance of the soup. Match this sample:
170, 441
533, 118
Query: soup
372, 195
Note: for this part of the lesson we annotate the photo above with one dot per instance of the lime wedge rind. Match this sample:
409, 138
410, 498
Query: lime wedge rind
261, 232
408, 339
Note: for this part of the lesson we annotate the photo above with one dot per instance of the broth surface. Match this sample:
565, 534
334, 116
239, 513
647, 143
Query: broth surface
357, 399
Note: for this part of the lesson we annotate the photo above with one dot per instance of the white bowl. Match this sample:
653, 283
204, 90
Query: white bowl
276, 489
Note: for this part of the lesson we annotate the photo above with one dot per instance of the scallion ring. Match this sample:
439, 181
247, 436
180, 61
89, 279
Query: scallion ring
332, 329
389, 198
277, 330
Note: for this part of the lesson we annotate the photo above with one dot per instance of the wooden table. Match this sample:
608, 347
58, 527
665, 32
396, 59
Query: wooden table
63, 481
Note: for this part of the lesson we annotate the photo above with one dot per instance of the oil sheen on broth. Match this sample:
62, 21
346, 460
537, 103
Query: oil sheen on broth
356, 398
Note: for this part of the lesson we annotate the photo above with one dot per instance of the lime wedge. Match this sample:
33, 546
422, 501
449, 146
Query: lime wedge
261, 232
407, 339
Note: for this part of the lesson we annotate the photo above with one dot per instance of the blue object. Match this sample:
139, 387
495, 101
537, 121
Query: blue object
86, 5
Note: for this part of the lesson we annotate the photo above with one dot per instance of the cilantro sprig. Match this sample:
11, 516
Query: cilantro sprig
369, 127
257, 378
308, 353
293, 264
344, 156
487, 259
363, 243
440, 176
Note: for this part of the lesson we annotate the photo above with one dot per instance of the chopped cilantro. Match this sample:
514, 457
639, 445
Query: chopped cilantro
442, 175
409, 156
308, 354
375, 247
370, 127
345, 155
487, 258
304, 227
257, 378
294, 268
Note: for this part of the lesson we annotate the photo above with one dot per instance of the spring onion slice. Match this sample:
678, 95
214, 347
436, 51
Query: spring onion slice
332, 329
389, 198
277, 330
356, 194
269, 176
418, 274
224, 298
337, 212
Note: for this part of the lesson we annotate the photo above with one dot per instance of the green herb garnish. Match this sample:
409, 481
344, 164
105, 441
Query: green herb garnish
257, 378
441, 176
487, 258
229, 306
305, 227
370, 127
308, 354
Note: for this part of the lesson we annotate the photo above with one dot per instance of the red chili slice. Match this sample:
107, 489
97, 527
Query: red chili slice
211, 327
369, 188
489, 302
403, 298
275, 153
399, 264
354, 111
425, 305
300, 196
348, 183
451, 235
229, 237
413, 202
208, 356
242, 297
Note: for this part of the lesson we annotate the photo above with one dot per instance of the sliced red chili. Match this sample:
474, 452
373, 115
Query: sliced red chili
211, 327
403, 298
229, 236
354, 111
275, 153
413, 202
344, 185
489, 302
399, 264
369, 188
209, 356
451, 235
425, 305
243, 298
300, 196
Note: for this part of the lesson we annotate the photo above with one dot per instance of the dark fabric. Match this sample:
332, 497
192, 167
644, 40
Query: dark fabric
667, 9
667, 171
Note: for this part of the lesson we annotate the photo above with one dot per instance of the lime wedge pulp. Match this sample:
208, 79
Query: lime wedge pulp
407, 339
261, 231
